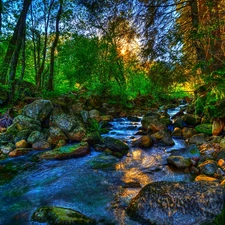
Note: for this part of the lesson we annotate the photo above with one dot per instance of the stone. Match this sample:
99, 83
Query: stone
176, 132
94, 138
206, 178
116, 145
21, 135
66, 152
192, 119
71, 126
205, 128
198, 139
217, 126
41, 145
94, 114
179, 122
178, 203
21, 144
19, 151
222, 143
85, 115
6, 149
148, 118
143, 142
208, 167
55, 135
39, 109
188, 132
184, 158
58, 215
36, 136
163, 137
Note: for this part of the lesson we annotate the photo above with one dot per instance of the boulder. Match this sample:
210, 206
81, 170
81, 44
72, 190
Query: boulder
184, 158
21, 135
192, 119
177, 132
21, 144
164, 138
198, 139
148, 118
205, 128
19, 151
36, 136
116, 145
39, 109
179, 203
71, 126
55, 135
94, 114
6, 149
188, 132
5, 138
205, 178
41, 145
222, 143
58, 215
94, 138
24, 123
208, 167
217, 126
143, 142
66, 152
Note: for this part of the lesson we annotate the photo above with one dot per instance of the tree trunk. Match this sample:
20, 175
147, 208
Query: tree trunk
54, 45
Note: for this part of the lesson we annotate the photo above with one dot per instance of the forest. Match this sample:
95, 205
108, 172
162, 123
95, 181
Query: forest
124, 48
112, 112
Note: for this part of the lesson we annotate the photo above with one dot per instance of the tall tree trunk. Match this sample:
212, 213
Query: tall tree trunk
201, 57
14, 46
16, 53
54, 45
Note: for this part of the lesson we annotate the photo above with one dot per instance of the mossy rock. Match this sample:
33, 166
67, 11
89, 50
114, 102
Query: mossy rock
204, 128
59, 216
66, 152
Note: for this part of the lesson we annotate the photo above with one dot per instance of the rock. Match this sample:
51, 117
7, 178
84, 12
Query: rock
41, 145
21, 144
66, 152
5, 137
58, 216
198, 139
177, 132
85, 115
36, 136
19, 151
163, 137
222, 143
94, 138
21, 135
179, 122
219, 154
71, 126
205, 128
221, 163
148, 118
205, 178
192, 119
7, 148
185, 157
104, 162
94, 114
24, 123
155, 126
217, 126
39, 109
116, 145
178, 203
143, 142
55, 135
106, 118
209, 167
188, 132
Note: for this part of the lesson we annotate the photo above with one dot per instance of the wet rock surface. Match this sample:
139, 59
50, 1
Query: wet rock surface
178, 204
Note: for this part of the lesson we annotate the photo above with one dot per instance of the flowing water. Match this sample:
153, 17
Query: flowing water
100, 193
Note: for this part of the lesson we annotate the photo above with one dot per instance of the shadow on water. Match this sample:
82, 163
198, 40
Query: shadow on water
101, 193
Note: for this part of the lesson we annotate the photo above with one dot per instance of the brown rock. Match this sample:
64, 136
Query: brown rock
206, 178
217, 126
19, 152
21, 144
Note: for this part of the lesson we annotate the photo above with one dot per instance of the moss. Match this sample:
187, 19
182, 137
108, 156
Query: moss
204, 128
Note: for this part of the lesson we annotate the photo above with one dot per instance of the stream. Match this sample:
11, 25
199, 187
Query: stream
85, 184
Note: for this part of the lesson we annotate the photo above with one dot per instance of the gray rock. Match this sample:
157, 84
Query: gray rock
185, 157
36, 136
198, 139
39, 109
178, 203
209, 167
